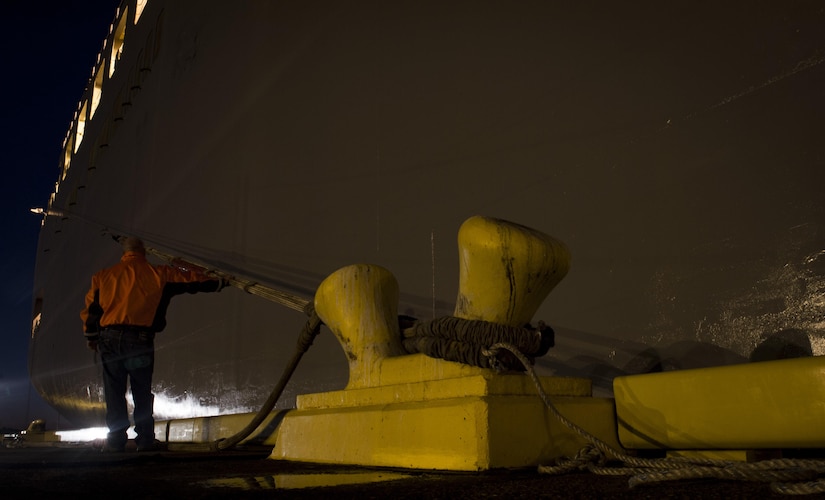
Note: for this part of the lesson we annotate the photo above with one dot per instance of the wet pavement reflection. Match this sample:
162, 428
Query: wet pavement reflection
300, 481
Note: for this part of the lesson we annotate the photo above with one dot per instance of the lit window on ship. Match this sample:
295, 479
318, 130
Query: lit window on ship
81, 128
97, 90
139, 6
117, 42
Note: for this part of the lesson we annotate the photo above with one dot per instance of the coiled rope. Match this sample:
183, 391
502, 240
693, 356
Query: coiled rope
464, 341
594, 456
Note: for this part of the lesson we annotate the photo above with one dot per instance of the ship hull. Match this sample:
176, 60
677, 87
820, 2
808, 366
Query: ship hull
676, 150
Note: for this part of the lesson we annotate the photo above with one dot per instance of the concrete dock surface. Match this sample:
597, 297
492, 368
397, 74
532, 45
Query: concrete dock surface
81, 471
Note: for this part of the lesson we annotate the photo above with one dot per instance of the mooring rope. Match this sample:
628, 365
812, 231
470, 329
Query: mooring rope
308, 333
464, 341
291, 301
594, 456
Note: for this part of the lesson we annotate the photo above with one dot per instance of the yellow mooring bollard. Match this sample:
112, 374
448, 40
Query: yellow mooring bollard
506, 270
359, 303
414, 411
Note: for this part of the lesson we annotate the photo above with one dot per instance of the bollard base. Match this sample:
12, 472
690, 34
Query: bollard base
451, 417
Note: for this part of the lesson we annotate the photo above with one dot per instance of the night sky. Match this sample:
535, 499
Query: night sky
49, 49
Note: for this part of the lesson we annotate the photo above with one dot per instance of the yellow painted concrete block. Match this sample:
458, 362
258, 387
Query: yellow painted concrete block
729, 455
465, 424
772, 404
411, 435
524, 433
442, 384
415, 368
412, 368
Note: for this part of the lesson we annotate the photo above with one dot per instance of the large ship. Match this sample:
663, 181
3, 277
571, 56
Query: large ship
675, 148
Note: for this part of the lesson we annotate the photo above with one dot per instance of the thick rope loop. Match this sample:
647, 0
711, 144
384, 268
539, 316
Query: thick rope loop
584, 460
808, 488
465, 341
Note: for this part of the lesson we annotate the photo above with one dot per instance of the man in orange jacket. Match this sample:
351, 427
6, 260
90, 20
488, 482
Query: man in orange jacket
125, 307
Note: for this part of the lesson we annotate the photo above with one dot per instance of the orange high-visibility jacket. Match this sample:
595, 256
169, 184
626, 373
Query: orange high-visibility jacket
136, 293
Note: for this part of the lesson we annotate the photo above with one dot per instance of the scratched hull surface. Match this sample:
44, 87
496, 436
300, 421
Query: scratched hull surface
675, 149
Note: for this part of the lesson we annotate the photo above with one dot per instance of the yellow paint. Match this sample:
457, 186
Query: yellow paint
463, 433
420, 368
772, 404
729, 455
462, 381
506, 270
359, 303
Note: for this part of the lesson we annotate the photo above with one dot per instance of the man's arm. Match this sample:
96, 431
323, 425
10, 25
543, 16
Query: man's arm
176, 288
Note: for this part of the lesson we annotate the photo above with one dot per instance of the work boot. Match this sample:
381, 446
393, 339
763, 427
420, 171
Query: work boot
153, 445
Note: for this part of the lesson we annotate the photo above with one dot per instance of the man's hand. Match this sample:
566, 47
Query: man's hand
224, 282
92, 345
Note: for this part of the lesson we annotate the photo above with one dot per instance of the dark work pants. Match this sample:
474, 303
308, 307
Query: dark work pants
128, 355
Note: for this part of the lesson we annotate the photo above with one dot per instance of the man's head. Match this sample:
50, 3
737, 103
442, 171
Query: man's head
132, 244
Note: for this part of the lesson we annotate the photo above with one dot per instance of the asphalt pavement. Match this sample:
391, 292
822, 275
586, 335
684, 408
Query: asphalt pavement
81, 471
